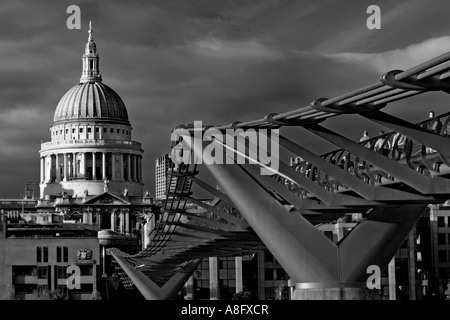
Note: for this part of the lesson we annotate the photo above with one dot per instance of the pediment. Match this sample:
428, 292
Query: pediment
106, 198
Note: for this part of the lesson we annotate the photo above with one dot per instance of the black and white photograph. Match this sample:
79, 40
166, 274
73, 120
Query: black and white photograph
226, 156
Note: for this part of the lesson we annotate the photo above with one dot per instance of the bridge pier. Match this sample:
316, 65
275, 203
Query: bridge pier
148, 288
338, 271
308, 291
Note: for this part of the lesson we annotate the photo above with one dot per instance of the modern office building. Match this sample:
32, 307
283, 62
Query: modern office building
162, 165
420, 268
439, 217
258, 275
34, 260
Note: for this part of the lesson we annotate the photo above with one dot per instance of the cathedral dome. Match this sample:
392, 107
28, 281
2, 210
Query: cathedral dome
91, 100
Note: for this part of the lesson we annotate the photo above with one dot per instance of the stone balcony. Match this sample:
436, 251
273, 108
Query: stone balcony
52, 145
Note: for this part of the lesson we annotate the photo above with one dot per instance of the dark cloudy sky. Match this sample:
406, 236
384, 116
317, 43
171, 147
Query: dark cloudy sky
176, 61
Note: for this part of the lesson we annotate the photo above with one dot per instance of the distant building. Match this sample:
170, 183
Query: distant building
420, 268
222, 278
34, 261
162, 165
440, 243
216, 278
338, 230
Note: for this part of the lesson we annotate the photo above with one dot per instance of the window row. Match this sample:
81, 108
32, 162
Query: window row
42, 272
88, 131
62, 254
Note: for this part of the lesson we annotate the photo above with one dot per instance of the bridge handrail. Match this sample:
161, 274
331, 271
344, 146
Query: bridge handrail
426, 124
351, 163
393, 86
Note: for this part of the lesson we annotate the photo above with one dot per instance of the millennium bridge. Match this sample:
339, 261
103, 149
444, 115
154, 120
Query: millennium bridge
280, 211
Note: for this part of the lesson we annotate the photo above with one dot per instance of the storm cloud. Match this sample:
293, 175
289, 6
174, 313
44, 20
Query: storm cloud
220, 61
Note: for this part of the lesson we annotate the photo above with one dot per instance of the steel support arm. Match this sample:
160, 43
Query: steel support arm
375, 240
375, 193
284, 170
290, 237
422, 183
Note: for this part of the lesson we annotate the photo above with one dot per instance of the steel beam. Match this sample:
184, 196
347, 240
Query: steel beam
211, 190
148, 288
226, 216
289, 196
170, 289
209, 221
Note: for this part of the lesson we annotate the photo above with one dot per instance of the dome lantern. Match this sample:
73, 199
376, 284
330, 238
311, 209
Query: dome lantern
91, 66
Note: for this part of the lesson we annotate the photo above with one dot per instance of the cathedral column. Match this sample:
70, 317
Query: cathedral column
140, 168
94, 174
42, 169
58, 175
99, 219
139, 162
127, 222
74, 165
136, 165
113, 166
128, 167
83, 164
133, 167
65, 167
122, 167
53, 174
136, 172
103, 166
137, 168
113, 220
85, 216
90, 213
48, 168
122, 216
104, 261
